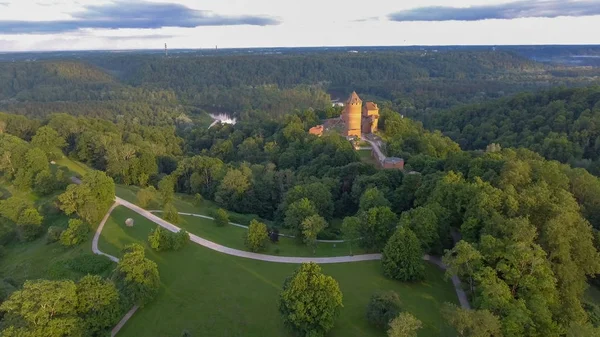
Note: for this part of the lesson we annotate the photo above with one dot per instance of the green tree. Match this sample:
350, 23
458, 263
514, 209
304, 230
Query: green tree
97, 304
424, 223
405, 325
171, 214
463, 260
351, 231
166, 190
377, 225
146, 197
311, 227
45, 183
43, 308
47, 139
29, 223
296, 213
371, 198
472, 323
383, 307
257, 236
76, 233
198, 200
402, 257
310, 301
90, 199
136, 276
221, 217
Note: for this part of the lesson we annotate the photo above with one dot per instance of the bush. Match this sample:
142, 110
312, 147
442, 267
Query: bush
383, 308
161, 239
221, 217
54, 233
75, 234
89, 263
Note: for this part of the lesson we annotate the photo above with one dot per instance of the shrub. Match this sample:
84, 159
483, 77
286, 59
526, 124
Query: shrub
221, 217
170, 213
54, 233
198, 199
75, 234
89, 263
383, 308
161, 239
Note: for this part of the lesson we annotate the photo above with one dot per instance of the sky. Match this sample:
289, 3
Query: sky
32, 25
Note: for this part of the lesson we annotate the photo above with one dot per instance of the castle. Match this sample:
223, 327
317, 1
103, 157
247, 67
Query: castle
359, 119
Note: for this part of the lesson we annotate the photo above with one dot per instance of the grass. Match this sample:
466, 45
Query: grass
366, 157
36, 259
78, 169
233, 236
213, 294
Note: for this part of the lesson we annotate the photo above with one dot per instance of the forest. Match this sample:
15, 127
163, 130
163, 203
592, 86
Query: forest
561, 124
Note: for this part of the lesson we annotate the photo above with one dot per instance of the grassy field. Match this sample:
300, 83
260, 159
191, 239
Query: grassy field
232, 236
213, 294
366, 157
79, 169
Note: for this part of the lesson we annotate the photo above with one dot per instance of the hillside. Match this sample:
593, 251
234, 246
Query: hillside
561, 124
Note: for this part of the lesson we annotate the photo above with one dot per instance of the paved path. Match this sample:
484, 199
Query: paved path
123, 320
460, 293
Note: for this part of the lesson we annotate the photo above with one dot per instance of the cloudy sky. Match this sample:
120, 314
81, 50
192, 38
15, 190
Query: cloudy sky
129, 24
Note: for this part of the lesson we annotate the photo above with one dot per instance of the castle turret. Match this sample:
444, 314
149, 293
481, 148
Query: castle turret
352, 116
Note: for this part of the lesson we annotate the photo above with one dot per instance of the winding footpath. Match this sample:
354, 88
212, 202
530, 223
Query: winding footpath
462, 297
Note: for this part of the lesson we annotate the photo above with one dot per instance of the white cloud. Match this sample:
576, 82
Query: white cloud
303, 23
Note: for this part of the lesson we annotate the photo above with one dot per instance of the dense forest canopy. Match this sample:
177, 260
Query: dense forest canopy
561, 124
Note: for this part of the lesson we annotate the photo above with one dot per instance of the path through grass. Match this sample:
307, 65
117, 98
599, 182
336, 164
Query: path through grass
213, 294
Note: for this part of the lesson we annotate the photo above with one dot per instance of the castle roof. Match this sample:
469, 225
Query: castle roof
371, 106
353, 99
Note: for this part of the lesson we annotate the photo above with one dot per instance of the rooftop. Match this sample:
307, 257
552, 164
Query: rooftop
353, 99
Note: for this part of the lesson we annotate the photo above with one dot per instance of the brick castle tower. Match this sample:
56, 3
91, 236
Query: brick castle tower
358, 119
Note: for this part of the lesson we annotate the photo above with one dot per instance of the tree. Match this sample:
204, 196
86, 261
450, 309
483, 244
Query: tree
463, 260
402, 257
382, 308
405, 325
97, 304
54, 233
351, 230
146, 197
221, 217
161, 239
296, 213
29, 223
377, 225
91, 199
166, 189
42, 307
136, 276
47, 139
257, 236
76, 233
45, 183
472, 323
171, 214
310, 301
198, 199
372, 197
424, 223
311, 227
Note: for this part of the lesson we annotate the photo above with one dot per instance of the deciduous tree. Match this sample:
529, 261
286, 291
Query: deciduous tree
257, 236
402, 257
310, 301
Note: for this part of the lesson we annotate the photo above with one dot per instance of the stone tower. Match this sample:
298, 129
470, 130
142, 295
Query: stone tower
352, 116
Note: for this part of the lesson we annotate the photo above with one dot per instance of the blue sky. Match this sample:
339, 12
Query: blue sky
130, 24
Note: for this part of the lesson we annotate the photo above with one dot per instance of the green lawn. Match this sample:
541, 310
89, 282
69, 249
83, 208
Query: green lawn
79, 169
233, 236
366, 157
213, 294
